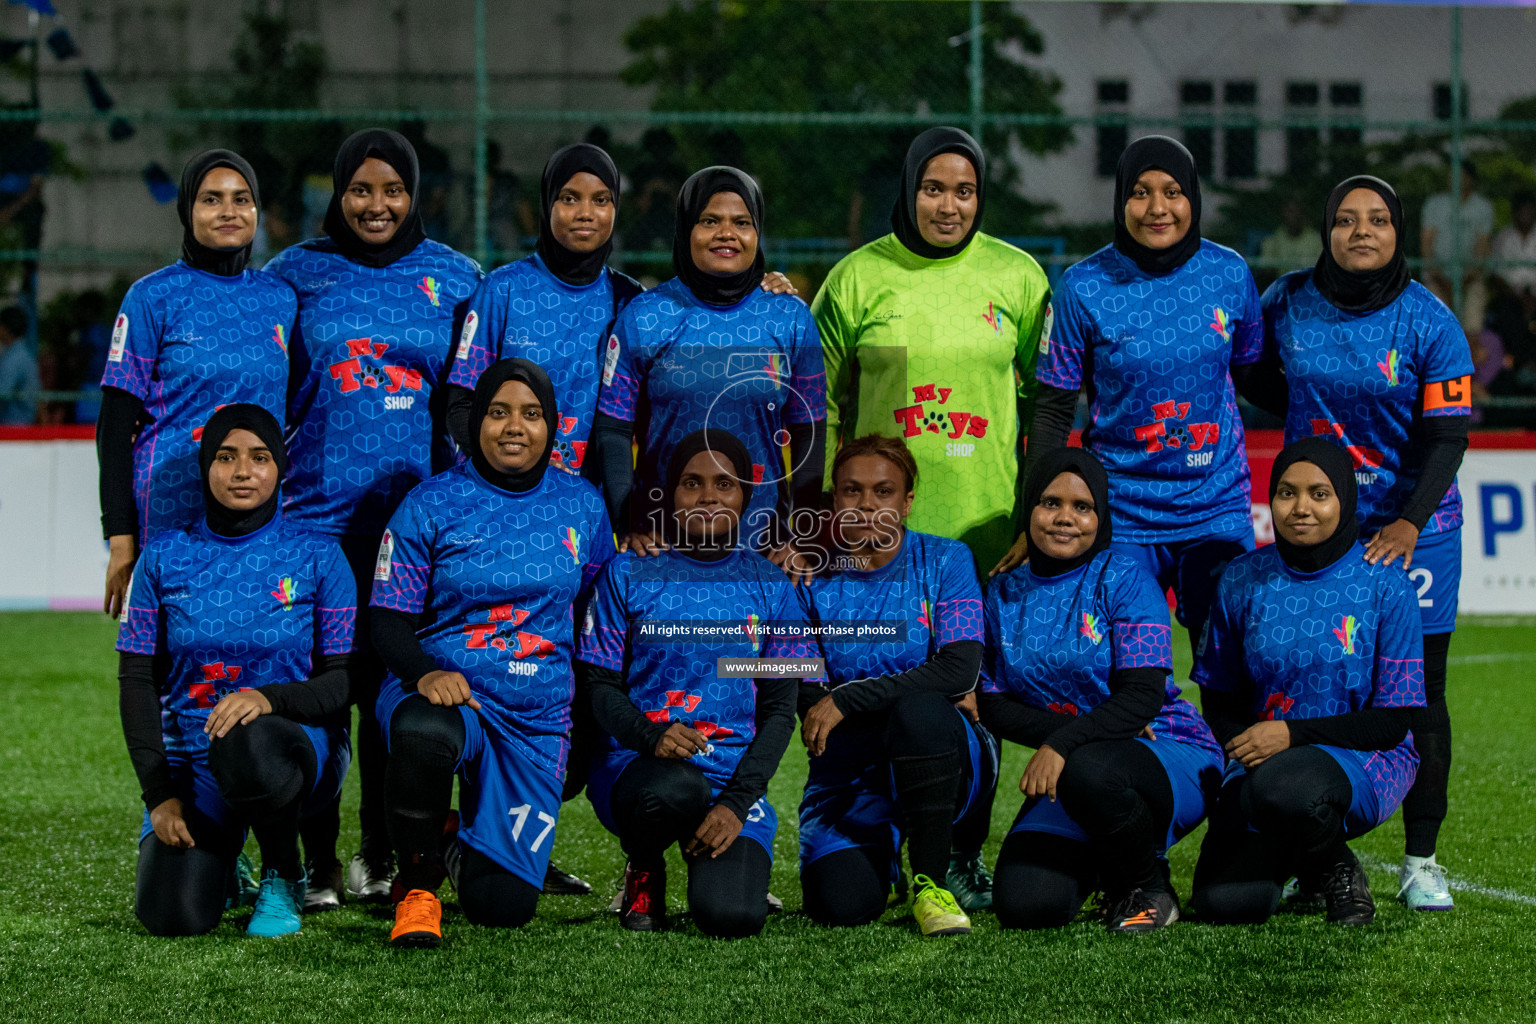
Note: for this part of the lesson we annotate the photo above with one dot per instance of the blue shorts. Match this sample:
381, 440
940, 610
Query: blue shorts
762, 820
508, 803
1193, 773
1191, 568
199, 791
850, 797
1436, 576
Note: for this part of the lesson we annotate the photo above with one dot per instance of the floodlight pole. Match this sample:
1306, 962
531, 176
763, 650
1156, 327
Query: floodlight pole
977, 81
482, 116
1457, 264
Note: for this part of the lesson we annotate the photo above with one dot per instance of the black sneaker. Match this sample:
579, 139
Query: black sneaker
1347, 894
563, 883
643, 904
1143, 910
326, 884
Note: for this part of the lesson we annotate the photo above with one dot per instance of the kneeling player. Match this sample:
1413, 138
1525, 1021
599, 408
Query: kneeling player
490, 556
692, 752
1078, 666
233, 670
1310, 664
892, 757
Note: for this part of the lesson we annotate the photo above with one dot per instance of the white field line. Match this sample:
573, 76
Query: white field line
1381, 867
1489, 659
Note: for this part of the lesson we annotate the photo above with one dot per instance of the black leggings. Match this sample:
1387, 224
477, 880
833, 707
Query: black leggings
266, 770
1425, 805
660, 801
1296, 801
182, 892
931, 772
426, 743
1118, 792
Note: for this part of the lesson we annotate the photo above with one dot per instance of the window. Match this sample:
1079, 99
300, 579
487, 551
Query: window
1303, 144
1240, 143
1199, 97
1347, 100
1115, 91
1440, 100
1110, 140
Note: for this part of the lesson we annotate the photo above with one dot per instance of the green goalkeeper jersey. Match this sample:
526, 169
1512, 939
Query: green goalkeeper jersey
941, 353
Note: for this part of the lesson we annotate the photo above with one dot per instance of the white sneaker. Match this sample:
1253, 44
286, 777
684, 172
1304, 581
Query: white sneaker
369, 881
1424, 887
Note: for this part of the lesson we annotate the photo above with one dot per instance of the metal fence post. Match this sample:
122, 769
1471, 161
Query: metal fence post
976, 76
1457, 267
482, 116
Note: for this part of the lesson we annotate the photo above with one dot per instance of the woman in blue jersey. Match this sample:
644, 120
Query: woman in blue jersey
472, 598
204, 332
379, 304
1376, 364
892, 758
235, 642
1310, 669
691, 752
1078, 666
1156, 327
709, 349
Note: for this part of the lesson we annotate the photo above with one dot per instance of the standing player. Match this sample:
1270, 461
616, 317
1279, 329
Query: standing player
1079, 667
201, 333
1155, 326
891, 756
1376, 364
234, 642
709, 349
472, 602
701, 779
1310, 670
378, 306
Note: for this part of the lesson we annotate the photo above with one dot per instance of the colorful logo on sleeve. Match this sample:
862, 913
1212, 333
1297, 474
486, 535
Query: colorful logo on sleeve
285, 593
925, 616
1222, 325
994, 318
428, 287
1388, 366
1277, 705
572, 543
1346, 633
1168, 429
753, 629
280, 336
119, 339
1090, 628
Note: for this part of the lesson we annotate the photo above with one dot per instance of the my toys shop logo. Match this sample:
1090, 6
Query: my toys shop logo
923, 417
502, 633
364, 367
1169, 429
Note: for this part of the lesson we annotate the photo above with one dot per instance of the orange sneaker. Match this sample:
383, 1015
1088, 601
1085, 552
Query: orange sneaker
418, 921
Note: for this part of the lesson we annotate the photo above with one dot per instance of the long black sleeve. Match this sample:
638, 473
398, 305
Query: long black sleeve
808, 454
316, 698
1263, 384
615, 467
1366, 729
461, 402
616, 714
121, 416
1009, 718
1444, 442
394, 637
775, 727
951, 672
1051, 425
138, 703
1226, 713
1135, 696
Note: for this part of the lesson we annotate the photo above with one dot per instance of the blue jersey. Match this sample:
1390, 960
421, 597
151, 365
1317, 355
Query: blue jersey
494, 575
522, 310
664, 620
1313, 645
1154, 354
1052, 642
371, 346
676, 365
1363, 379
235, 613
186, 342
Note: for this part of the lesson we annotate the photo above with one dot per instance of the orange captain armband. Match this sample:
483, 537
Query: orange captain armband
1455, 393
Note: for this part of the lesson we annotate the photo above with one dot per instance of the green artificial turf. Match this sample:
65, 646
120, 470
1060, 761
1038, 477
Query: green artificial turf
71, 950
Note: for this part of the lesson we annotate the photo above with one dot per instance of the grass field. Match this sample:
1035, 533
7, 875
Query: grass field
71, 950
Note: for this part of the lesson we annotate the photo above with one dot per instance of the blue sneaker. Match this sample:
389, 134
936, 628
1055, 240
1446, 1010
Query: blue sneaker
278, 907
1424, 886
243, 884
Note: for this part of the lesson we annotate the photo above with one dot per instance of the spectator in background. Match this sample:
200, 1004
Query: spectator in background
93, 340
1292, 247
1438, 243
18, 370
1512, 308
436, 179
1516, 245
505, 207
658, 176
25, 161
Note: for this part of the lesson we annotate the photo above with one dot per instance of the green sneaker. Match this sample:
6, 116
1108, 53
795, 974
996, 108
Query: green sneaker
970, 881
936, 911
244, 886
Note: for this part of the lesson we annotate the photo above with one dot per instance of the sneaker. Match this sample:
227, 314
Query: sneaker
325, 888
1424, 887
368, 877
278, 905
243, 885
1304, 892
1143, 910
936, 911
1347, 894
970, 881
563, 883
775, 905
418, 921
643, 903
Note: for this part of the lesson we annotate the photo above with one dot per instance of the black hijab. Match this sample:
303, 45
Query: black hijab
1083, 464
722, 443
1337, 465
393, 149
932, 143
1373, 289
1170, 157
223, 520
490, 382
691, 201
574, 268
223, 262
